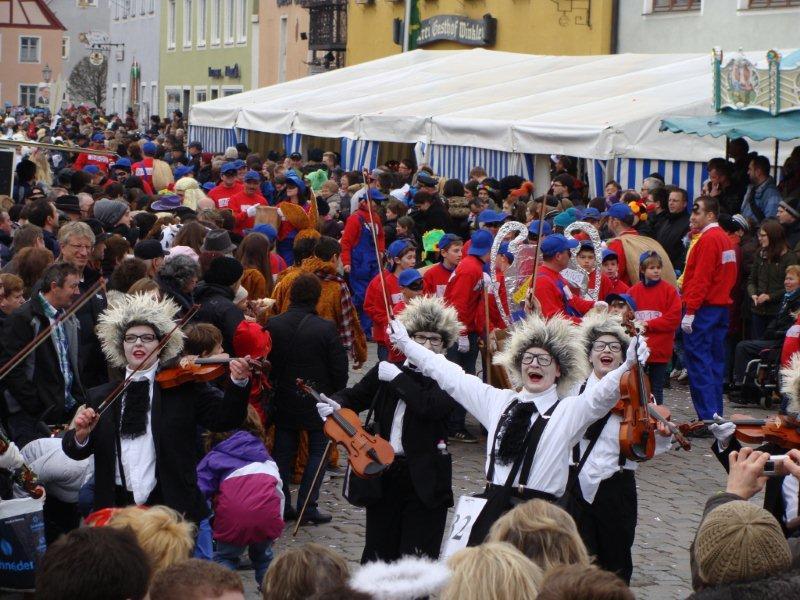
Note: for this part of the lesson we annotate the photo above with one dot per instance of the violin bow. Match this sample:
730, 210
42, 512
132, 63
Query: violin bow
79, 302
389, 316
682, 441
123, 385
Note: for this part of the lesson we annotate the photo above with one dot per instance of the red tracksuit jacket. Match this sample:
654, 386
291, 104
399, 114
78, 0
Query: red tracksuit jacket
660, 307
555, 297
222, 195
239, 205
710, 272
376, 309
435, 280
464, 292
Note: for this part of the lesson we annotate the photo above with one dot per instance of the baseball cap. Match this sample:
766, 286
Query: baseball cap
427, 180
149, 148
481, 243
587, 245
609, 253
252, 176
98, 137
555, 243
591, 213
149, 249
228, 168
626, 298
240, 164
503, 249
182, 171
296, 156
397, 247
264, 229
534, 228
91, 169
409, 276
375, 195
620, 210
123, 163
491, 216
209, 185
447, 239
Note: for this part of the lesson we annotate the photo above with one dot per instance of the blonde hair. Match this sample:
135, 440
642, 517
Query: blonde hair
492, 571
301, 572
794, 270
162, 533
542, 531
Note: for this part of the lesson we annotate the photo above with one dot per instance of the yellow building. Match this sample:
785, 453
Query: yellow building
527, 26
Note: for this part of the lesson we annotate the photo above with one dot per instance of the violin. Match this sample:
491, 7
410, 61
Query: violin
369, 455
782, 430
24, 476
637, 432
198, 370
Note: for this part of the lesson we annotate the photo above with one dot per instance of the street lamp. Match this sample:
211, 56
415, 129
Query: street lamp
47, 73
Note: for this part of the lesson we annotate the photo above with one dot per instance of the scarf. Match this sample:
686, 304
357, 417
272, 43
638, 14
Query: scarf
134, 414
512, 432
348, 310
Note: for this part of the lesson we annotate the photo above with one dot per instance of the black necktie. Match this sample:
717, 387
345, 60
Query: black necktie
134, 413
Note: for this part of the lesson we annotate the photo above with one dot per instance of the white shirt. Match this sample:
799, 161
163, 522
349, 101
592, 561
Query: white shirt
139, 453
790, 490
603, 461
487, 404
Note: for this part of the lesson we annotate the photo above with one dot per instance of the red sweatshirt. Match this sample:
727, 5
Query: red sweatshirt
354, 227
464, 292
101, 161
555, 297
435, 280
144, 170
791, 343
608, 285
222, 195
710, 272
616, 246
660, 307
239, 205
495, 320
375, 307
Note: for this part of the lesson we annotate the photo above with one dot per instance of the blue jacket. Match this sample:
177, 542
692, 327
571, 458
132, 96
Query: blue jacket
766, 197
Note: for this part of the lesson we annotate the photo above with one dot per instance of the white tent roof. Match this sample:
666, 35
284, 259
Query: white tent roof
590, 106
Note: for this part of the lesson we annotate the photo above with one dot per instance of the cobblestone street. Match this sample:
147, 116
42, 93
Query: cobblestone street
672, 491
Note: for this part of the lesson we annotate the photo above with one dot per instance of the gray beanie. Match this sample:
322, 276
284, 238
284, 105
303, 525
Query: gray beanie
109, 212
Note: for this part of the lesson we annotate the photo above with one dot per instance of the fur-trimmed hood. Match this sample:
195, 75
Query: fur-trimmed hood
560, 337
138, 309
406, 579
600, 323
790, 383
429, 313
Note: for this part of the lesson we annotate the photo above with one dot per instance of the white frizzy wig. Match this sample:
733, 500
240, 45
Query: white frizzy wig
408, 578
132, 310
428, 313
601, 323
560, 337
790, 383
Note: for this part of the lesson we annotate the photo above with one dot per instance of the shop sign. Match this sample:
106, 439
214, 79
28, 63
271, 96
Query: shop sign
457, 28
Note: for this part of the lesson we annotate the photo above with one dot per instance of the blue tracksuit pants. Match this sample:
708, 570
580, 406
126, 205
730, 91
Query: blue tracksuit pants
704, 350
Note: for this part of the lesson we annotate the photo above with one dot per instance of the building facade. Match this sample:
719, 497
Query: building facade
656, 26
133, 58
528, 26
30, 51
208, 49
283, 41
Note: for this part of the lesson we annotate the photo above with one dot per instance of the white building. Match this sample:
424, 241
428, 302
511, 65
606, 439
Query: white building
665, 26
136, 25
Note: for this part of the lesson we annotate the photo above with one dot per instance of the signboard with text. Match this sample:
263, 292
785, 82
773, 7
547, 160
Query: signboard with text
456, 28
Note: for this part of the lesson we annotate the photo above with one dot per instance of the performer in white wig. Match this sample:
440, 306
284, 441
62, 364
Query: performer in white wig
407, 506
531, 432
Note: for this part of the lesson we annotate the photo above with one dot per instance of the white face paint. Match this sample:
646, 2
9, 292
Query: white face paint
606, 360
538, 377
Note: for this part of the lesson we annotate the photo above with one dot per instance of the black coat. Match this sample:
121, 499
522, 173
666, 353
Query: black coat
670, 236
424, 425
436, 217
217, 308
792, 233
36, 384
94, 370
176, 414
313, 353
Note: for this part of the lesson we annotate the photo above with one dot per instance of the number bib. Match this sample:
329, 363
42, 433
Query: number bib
467, 510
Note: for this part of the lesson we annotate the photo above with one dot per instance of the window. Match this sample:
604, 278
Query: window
200, 94
187, 23
28, 49
229, 21
171, 25
675, 5
214, 92
241, 28
216, 20
65, 47
27, 95
772, 3
201, 22
231, 90
114, 99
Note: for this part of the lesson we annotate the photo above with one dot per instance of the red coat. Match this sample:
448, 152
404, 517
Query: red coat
791, 343
143, 170
239, 205
607, 285
222, 195
435, 280
101, 161
660, 307
375, 307
617, 247
555, 297
353, 229
710, 272
464, 292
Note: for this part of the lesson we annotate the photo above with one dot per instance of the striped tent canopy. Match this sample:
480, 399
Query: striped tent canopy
455, 162
216, 139
630, 172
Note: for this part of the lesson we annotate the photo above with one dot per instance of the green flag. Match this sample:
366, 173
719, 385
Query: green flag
414, 24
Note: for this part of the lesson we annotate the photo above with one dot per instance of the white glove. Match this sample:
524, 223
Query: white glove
326, 408
463, 344
387, 371
251, 210
398, 334
642, 354
686, 323
280, 214
11, 459
601, 305
722, 432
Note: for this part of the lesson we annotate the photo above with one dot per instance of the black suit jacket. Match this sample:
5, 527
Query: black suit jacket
424, 424
176, 415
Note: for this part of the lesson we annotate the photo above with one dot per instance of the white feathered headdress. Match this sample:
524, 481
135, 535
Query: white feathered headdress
428, 313
598, 324
406, 579
132, 310
560, 337
790, 383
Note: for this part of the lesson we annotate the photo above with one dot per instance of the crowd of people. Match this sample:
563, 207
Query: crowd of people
133, 255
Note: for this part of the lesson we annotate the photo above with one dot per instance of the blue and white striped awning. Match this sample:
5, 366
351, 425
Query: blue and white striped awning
293, 142
216, 139
359, 154
455, 162
630, 172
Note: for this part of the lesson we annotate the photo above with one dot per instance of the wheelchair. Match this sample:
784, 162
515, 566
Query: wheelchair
762, 381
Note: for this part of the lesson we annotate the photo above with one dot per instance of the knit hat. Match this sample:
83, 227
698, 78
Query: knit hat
231, 153
739, 541
109, 212
792, 206
224, 271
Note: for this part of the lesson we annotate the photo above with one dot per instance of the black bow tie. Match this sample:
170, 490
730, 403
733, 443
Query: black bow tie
136, 407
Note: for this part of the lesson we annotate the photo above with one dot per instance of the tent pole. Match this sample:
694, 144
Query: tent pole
407, 25
775, 162
727, 148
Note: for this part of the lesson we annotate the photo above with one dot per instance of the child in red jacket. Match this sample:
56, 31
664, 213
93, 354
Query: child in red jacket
658, 307
436, 277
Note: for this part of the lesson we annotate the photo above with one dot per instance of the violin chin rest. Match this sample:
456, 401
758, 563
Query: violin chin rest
373, 469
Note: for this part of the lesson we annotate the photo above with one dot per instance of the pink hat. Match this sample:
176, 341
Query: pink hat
182, 251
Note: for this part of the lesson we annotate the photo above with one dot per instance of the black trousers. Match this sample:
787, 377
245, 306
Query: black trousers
399, 523
608, 525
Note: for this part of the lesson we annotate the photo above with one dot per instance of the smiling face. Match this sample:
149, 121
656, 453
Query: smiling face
536, 376
139, 342
605, 355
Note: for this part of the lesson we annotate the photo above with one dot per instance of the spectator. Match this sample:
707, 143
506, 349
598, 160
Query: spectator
492, 571
299, 573
253, 253
215, 295
94, 563
721, 186
177, 279
762, 198
584, 582
430, 213
29, 264
789, 218
674, 227
11, 294
196, 579
44, 214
